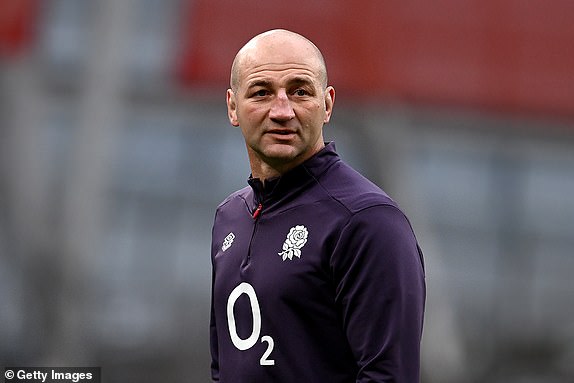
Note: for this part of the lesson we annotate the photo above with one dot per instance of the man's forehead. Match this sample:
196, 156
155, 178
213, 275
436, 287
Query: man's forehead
271, 74
277, 49
278, 55
278, 77
278, 63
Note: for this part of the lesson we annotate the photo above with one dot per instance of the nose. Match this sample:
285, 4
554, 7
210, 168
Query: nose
281, 110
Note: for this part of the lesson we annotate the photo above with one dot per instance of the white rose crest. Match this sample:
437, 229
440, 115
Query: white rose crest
296, 239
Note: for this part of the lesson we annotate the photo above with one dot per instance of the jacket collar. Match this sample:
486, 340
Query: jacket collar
296, 179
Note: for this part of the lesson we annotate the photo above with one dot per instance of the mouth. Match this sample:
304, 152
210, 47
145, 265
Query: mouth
282, 133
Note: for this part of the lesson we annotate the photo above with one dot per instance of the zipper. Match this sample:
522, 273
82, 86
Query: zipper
255, 216
257, 211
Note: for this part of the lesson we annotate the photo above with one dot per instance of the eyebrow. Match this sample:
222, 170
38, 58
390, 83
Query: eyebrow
304, 80
259, 83
301, 80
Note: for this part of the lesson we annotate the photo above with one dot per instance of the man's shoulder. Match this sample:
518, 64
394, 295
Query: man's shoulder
239, 195
353, 190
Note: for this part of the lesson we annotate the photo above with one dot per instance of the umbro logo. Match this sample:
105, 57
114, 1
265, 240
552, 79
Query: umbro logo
228, 241
296, 239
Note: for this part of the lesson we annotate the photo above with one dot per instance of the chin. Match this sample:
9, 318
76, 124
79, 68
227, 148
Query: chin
281, 152
285, 154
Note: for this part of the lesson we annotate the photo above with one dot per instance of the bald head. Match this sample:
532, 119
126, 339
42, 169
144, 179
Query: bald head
274, 47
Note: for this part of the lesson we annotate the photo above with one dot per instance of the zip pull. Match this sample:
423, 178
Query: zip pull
257, 211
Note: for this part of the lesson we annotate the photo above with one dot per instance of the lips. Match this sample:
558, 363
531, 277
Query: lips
282, 132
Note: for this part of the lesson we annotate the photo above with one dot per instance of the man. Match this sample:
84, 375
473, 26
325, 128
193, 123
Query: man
317, 275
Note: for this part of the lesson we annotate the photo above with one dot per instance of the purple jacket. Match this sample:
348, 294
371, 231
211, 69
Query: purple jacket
317, 278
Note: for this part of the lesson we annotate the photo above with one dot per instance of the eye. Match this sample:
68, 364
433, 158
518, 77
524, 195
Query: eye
301, 92
260, 93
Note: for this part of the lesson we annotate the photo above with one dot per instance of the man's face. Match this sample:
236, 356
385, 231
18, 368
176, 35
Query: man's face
280, 103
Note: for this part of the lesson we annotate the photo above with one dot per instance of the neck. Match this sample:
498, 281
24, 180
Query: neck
267, 168
263, 170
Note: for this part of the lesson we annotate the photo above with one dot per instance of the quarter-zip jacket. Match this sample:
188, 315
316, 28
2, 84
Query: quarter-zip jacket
317, 277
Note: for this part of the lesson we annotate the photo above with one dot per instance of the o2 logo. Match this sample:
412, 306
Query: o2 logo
246, 344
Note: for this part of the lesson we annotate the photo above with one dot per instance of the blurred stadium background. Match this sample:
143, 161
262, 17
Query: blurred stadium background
115, 150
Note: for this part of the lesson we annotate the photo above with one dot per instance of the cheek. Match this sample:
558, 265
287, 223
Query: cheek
320, 111
250, 115
317, 117
312, 112
250, 120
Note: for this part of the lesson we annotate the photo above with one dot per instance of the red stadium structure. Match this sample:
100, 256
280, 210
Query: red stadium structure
16, 25
499, 55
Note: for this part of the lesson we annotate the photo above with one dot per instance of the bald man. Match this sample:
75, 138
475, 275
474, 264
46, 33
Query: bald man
317, 274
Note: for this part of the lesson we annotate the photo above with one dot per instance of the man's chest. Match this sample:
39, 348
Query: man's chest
286, 254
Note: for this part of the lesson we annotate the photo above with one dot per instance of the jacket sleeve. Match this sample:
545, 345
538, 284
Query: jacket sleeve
213, 343
380, 289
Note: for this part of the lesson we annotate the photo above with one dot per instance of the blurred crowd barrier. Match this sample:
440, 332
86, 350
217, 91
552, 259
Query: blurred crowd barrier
112, 164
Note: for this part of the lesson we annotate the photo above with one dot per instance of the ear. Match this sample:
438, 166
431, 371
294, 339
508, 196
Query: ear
329, 102
232, 108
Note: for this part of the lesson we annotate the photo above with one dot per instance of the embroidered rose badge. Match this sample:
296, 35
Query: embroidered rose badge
296, 239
